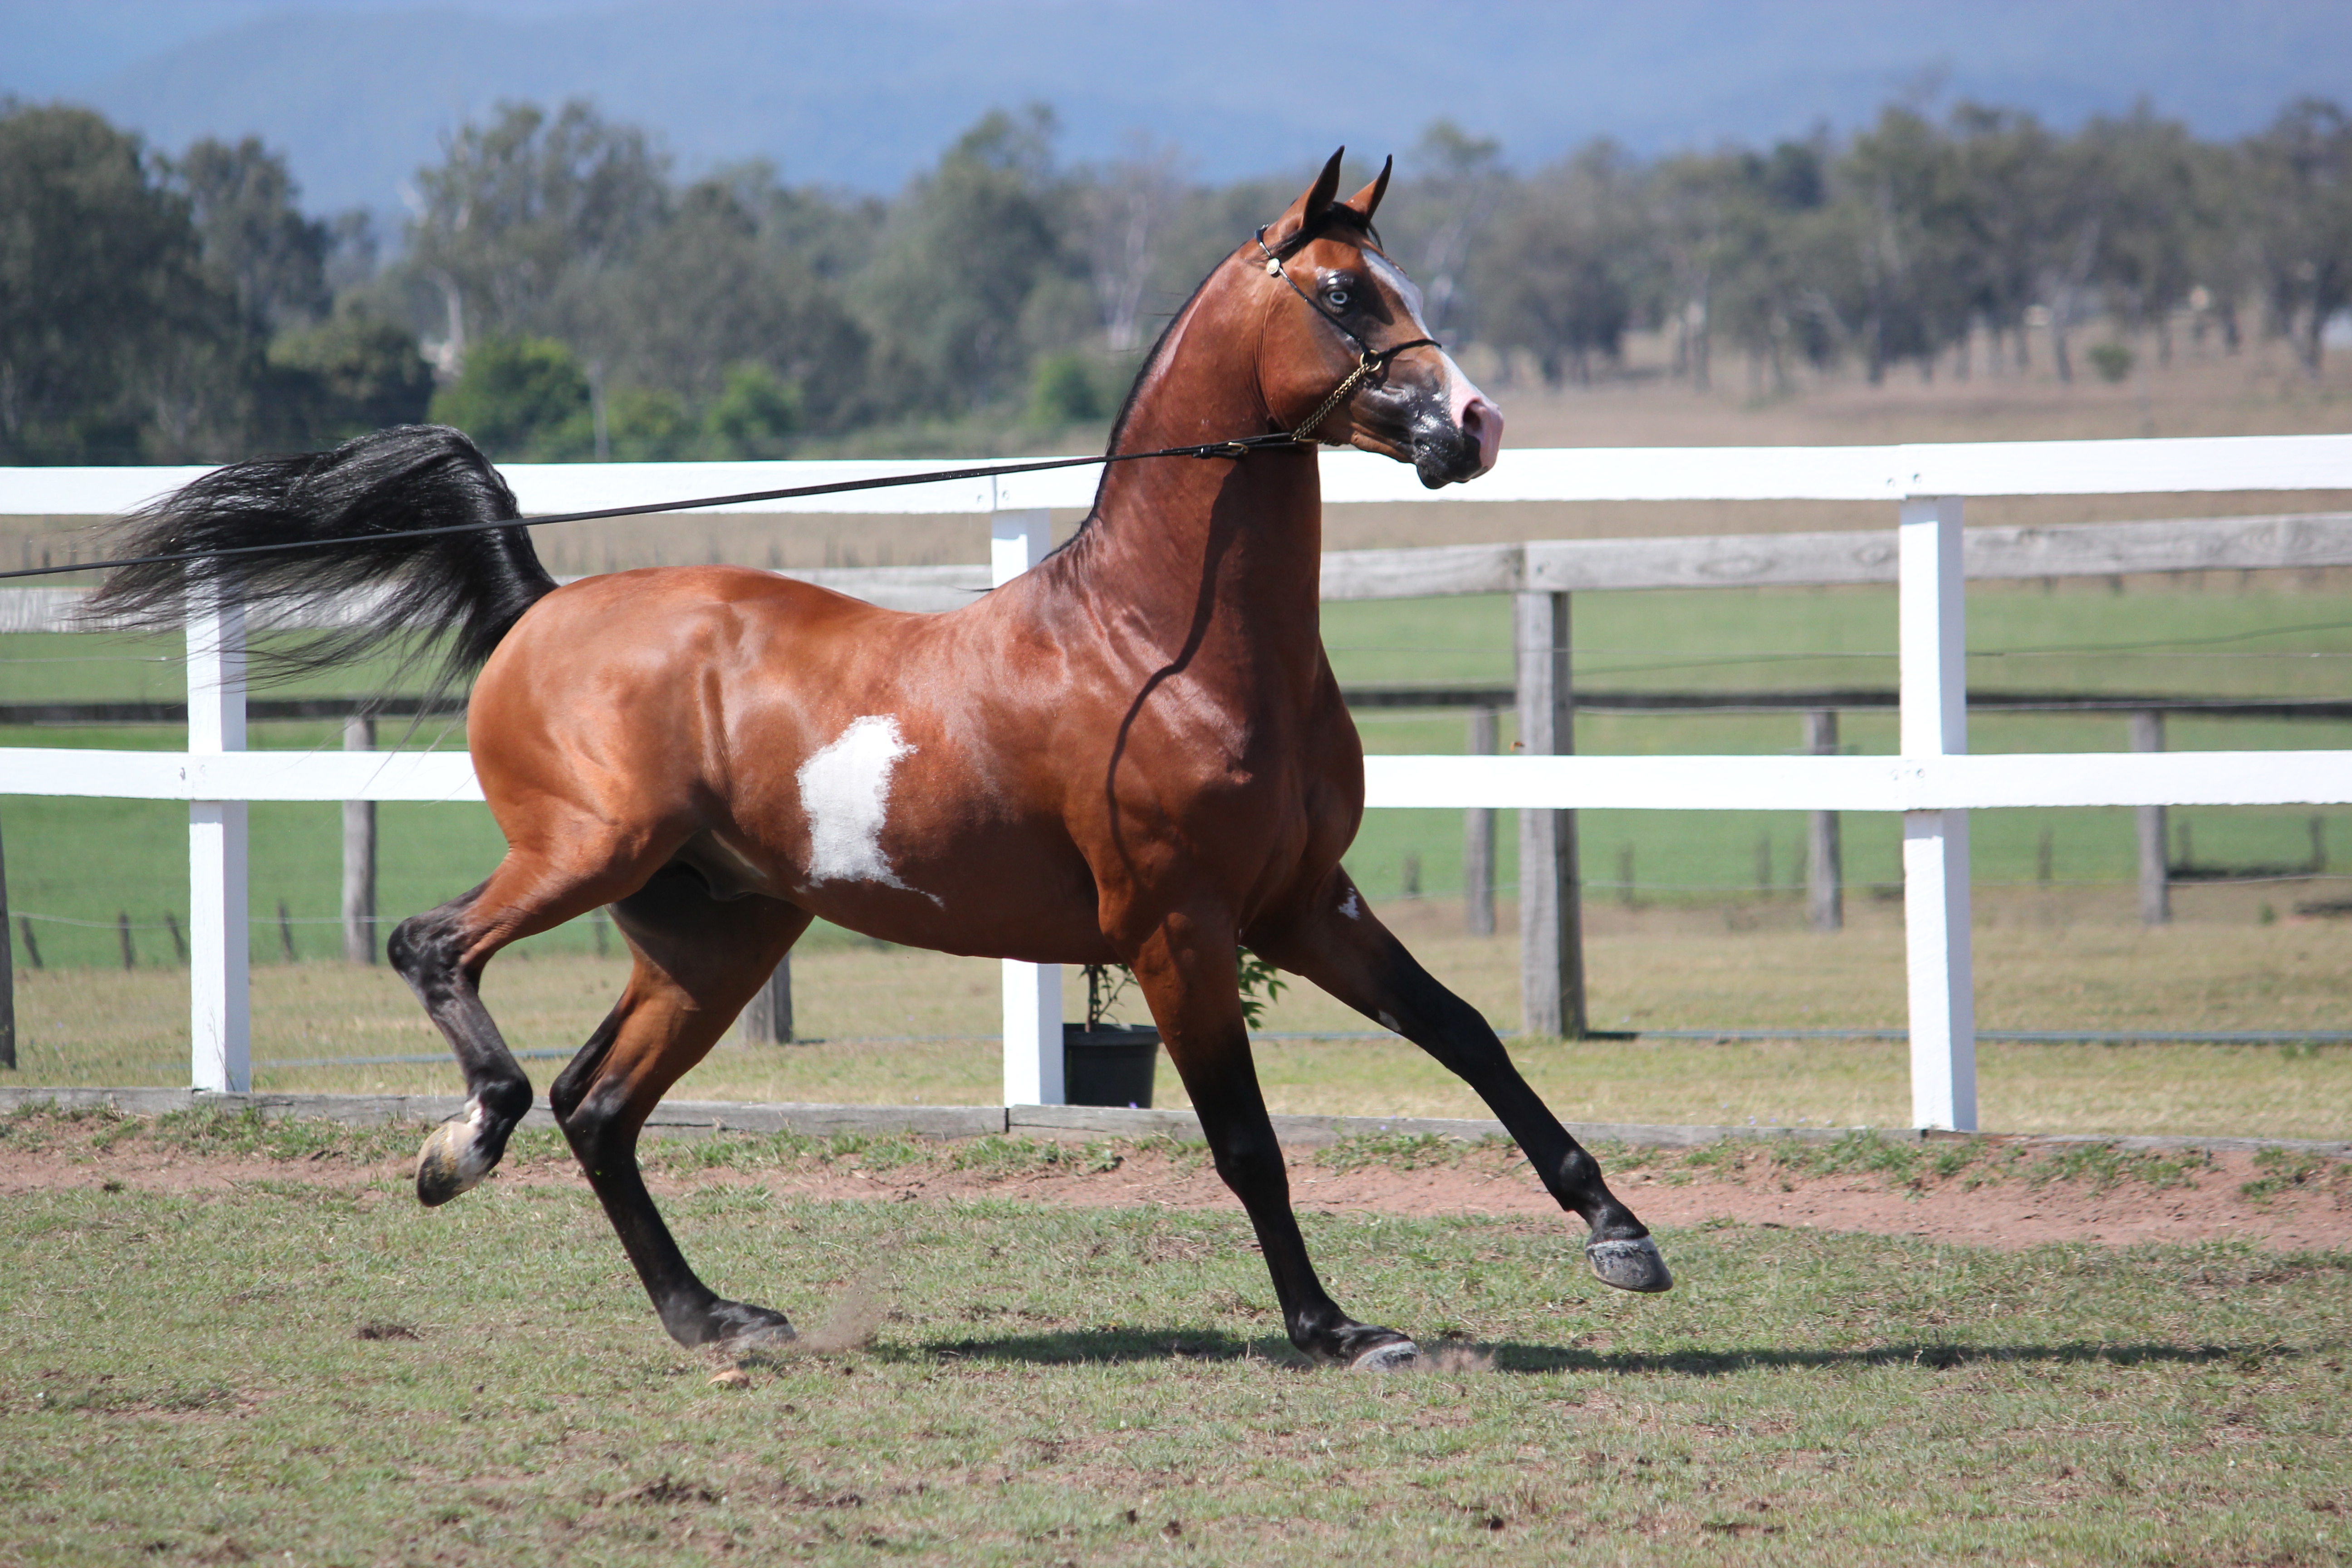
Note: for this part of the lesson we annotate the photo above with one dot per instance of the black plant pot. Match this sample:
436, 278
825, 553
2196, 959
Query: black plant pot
1109, 1066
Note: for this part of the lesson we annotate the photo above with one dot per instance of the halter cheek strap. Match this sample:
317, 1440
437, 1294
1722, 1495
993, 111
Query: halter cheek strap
1369, 359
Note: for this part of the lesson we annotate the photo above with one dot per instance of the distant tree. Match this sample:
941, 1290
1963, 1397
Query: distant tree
1454, 184
966, 250
1559, 279
2006, 164
1904, 183
115, 345
521, 399
1123, 209
707, 294
2300, 171
2150, 219
1756, 253
1064, 390
523, 213
342, 378
256, 240
755, 414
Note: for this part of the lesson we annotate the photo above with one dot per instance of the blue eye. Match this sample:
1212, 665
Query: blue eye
1335, 297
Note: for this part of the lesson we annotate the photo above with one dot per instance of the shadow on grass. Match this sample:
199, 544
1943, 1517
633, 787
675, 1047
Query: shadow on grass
1079, 1347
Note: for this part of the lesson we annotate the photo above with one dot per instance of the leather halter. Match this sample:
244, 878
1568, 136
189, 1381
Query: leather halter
1367, 358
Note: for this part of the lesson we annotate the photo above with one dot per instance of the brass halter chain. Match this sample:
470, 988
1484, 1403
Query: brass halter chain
1369, 360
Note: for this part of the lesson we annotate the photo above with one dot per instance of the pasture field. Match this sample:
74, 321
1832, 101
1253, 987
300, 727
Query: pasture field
238, 1343
79, 866
1655, 969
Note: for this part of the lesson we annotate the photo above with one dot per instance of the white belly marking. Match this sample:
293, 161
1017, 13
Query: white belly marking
846, 790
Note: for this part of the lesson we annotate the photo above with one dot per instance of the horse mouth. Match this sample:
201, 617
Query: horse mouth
1449, 454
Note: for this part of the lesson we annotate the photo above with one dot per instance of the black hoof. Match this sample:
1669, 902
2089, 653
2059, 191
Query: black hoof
1630, 1265
1365, 1347
737, 1325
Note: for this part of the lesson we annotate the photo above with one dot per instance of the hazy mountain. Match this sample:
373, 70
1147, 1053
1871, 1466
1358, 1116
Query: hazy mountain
360, 92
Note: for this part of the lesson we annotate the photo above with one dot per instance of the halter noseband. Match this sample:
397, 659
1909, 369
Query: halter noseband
1369, 359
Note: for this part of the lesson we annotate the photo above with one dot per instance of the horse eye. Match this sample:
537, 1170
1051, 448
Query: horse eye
1335, 297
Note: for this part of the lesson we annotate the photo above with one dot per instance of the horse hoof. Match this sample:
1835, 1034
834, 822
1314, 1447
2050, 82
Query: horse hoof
451, 1162
1630, 1265
1396, 1356
739, 1326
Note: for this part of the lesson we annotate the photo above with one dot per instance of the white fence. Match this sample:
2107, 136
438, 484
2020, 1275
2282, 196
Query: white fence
1933, 782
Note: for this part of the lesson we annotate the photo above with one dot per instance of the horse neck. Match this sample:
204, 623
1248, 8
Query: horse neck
1228, 550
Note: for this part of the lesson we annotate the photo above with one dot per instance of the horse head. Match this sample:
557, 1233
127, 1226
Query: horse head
1339, 313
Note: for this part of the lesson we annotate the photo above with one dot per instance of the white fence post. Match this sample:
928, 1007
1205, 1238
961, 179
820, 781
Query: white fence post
1032, 991
359, 855
1931, 588
219, 1003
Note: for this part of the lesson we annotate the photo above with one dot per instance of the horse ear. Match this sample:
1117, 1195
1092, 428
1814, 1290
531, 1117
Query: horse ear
1311, 204
1367, 201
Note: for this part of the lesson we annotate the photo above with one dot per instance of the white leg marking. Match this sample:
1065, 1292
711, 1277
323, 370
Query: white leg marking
1350, 907
846, 790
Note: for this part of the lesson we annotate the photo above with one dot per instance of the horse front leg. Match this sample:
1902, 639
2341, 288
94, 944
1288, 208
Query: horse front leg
1188, 974
1337, 942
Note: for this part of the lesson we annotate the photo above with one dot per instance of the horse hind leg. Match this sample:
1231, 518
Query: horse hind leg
441, 954
430, 952
698, 961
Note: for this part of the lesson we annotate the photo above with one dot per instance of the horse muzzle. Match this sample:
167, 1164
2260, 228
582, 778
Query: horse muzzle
1459, 436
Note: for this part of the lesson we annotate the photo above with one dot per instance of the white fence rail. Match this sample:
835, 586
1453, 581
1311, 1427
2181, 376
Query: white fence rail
1932, 783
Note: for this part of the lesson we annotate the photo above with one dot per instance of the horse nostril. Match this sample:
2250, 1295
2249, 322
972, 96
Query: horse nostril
1482, 422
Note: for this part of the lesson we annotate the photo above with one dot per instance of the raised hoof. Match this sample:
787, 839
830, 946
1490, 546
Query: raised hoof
1630, 1265
451, 1161
1397, 1355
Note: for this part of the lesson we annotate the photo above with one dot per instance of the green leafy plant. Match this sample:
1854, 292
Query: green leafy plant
1261, 982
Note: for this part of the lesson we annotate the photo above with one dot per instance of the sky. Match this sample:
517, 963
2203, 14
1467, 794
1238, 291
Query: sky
360, 93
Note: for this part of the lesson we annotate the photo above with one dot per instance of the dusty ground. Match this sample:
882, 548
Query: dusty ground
2013, 1196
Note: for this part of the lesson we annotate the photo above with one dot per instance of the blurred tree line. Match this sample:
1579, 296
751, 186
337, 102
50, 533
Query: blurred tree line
560, 293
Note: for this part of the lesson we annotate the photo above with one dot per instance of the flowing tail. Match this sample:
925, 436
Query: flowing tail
442, 601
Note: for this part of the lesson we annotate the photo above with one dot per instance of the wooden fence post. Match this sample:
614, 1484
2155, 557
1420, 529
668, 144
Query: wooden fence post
1551, 938
768, 1016
2155, 883
1478, 835
1824, 874
359, 855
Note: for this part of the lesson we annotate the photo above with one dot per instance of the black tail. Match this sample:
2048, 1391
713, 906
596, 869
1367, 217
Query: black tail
445, 599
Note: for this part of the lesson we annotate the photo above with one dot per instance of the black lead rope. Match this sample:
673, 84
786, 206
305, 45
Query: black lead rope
1368, 360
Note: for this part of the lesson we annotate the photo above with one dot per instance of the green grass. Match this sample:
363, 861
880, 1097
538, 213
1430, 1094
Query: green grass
278, 1369
1661, 971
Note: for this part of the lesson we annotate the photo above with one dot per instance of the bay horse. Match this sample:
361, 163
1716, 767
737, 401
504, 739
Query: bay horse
1134, 752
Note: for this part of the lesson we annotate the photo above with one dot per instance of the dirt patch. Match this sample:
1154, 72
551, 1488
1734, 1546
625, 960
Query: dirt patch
1988, 1193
